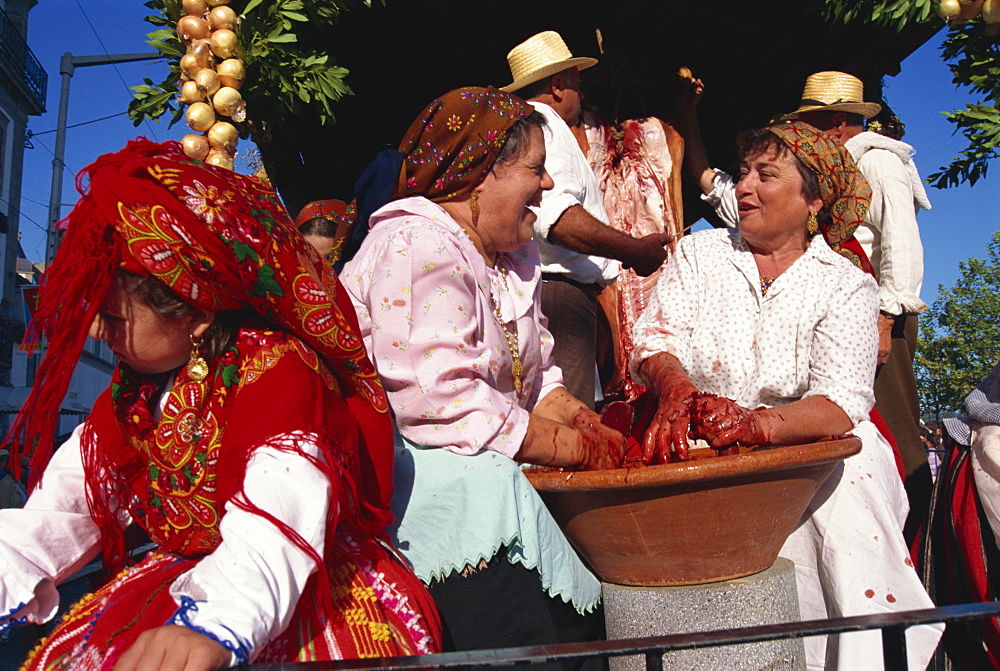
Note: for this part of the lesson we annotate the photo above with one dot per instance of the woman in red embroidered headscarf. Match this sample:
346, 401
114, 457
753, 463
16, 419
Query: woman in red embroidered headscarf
244, 430
446, 287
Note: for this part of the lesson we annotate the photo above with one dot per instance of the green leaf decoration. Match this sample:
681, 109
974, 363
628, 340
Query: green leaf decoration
282, 76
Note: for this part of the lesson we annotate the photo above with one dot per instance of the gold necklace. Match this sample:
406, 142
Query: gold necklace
517, 368
765, 284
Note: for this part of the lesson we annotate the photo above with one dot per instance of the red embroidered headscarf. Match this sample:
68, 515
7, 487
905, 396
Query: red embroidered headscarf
843, 188
455, 141
219, 241
337, 211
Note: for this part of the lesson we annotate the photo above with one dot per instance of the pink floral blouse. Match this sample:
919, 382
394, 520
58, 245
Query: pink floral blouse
423, 297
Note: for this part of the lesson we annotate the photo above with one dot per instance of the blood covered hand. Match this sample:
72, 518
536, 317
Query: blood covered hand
600, 447
669, 429
721, 422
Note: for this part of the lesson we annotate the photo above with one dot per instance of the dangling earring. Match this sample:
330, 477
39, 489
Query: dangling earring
812, 223
197, 367
474, 206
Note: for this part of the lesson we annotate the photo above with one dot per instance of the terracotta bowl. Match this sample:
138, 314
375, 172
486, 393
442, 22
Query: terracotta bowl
690, 522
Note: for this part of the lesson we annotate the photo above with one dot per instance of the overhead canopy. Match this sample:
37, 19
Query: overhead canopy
753, 57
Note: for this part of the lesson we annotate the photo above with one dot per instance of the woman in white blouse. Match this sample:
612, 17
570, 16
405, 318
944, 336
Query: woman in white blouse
765, 335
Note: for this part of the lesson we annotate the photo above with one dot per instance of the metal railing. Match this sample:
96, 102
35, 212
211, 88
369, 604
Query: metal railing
892, 625
20, 60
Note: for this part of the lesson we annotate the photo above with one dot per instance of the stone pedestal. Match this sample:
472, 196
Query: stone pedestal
768, 597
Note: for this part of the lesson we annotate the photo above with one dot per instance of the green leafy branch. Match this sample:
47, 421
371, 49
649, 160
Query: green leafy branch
974, 60
889, 13
960, 334
152, 100
282, 75
973, 56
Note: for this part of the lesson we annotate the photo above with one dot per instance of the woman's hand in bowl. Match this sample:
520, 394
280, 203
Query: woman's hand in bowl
600, 447
721, 422
668, 431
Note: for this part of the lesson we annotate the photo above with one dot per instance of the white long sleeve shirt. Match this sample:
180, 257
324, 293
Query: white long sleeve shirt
889, 233
575, 184
245, 590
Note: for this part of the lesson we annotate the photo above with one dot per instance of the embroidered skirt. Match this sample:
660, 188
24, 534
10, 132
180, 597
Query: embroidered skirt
381, 610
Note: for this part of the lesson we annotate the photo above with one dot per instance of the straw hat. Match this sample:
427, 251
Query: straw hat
541, 56
834, 92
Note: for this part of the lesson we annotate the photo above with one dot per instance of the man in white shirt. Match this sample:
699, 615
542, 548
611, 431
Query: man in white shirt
891, 238
580, 252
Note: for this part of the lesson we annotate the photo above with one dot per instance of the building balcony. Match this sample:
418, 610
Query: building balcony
20, 64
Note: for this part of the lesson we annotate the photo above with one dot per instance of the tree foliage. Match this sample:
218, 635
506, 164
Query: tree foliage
960, 335
282, 76
972, 51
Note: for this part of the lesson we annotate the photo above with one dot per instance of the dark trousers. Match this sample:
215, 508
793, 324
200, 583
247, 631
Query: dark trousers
896, 398
575, 321
503, 605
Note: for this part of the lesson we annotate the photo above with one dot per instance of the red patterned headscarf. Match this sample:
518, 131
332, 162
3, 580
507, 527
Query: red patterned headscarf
843, 188
342, 215
337, 211
219, 241
455, 141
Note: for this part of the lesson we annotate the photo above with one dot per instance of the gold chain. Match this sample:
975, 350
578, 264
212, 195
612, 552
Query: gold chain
517, 369
765, 284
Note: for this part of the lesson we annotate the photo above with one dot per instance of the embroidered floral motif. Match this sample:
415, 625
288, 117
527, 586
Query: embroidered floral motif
208, 201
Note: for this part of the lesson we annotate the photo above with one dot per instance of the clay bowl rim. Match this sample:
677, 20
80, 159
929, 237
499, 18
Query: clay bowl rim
760, 461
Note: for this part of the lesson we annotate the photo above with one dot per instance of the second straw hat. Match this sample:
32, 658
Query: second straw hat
541, 56
833, 91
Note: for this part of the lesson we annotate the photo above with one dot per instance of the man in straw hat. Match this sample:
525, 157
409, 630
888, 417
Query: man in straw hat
578, 248
833, 102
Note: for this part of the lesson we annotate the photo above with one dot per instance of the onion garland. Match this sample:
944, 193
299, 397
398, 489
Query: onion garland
966, 10
211, 75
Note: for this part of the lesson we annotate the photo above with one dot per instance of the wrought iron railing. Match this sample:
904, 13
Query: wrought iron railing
892, 625
19, 59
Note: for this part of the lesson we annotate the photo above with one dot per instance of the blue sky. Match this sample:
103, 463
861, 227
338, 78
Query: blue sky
958, 226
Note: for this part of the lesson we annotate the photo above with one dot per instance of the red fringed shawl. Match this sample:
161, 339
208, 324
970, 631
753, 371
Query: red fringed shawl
219, 241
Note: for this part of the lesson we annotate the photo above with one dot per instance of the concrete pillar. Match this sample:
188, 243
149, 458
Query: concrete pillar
768, 597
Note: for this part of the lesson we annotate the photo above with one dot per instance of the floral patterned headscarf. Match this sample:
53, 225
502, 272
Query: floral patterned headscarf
455, 141
843, 188
216, 239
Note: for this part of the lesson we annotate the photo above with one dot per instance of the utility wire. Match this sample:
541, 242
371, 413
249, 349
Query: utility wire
65, 167
114, 65
22, 215
74, 125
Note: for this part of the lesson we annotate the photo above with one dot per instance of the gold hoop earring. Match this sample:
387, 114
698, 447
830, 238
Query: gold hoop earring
197, 367
474, 206
812, 223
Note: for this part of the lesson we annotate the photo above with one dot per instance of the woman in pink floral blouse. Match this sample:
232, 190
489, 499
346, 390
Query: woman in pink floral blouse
445, 286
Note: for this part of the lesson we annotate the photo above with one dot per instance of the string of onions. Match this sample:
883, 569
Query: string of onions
965, 10
211, 77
